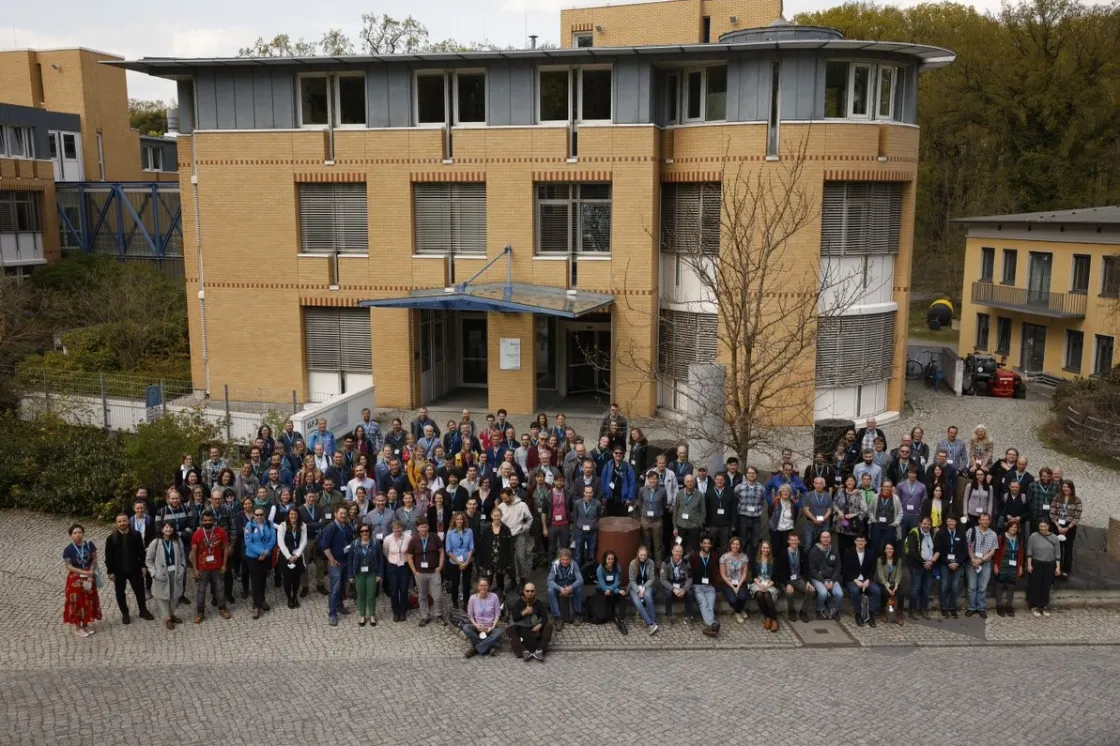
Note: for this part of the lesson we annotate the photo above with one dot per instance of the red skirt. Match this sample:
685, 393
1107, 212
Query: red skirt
82, 606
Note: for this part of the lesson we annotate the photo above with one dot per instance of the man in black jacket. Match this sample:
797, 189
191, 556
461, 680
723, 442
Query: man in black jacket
824, 574
791, 568
124, 559
721, 508
859, 577
529, 630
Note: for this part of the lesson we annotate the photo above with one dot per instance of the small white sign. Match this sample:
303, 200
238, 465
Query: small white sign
509, 354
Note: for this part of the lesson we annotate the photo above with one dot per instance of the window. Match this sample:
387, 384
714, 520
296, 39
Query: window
19, 212
690, 218
1102, 364
887, 76
470, 98
694, 94
583, 40
683, 339
334, 218
983, 321
101, 156
673, 92
836, 90
52, 145
573, 218
314, 104
351, 95
151, 158
20, 142
775, 112
70, 147
1080, 274
704, 95
706, 30
715, 95
553, 102
1110, 277
1003, 335
855, 350
430, 98
450, 218
337, 339
1010, 259
1075, 343
987, 264
860, 218
595, 94
860, 102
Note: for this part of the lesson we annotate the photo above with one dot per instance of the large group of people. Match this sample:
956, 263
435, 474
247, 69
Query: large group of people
453, 521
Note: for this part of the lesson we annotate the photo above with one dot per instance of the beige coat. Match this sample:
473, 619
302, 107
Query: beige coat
157, 568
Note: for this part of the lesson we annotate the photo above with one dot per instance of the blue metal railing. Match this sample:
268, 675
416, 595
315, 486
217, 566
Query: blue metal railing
125, 218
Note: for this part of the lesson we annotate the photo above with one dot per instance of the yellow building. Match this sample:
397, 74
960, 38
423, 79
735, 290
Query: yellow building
351, 216
1041, 290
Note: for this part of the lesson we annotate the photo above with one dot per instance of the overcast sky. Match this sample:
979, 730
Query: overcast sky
217, 28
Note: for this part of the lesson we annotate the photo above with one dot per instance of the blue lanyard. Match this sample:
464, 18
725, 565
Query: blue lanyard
705, 561
169, 553
586, 509
424, 546
1013, 545
82, 553
794, 560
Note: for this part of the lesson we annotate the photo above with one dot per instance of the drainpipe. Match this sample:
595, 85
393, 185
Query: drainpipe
198, 246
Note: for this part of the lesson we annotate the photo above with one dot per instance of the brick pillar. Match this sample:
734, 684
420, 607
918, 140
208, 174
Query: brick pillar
394, 373
516, 390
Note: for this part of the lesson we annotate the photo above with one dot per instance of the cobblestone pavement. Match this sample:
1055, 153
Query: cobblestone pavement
229, 681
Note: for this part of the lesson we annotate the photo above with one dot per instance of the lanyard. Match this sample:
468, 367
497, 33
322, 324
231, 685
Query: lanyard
208, 538
424, 547
586, 509
705, 561
642, 575
82, 553
794, 559
1013, 545
819, 500
169, 554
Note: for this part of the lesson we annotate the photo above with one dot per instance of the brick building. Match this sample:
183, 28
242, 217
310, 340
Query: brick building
351, 215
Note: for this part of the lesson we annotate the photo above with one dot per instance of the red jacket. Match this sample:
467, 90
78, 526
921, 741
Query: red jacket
997, 558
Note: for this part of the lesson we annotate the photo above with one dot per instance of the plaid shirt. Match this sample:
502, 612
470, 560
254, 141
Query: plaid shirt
982, 542
751, 499
1039, 495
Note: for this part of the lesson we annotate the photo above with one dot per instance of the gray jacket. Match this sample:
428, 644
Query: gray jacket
156, 561
660, 499
693, 506
586, 514
636, 567
667, 575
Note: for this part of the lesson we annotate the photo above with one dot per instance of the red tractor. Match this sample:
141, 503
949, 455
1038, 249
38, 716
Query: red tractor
984, 372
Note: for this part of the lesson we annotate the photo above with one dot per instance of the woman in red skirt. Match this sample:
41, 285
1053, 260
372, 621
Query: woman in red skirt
83, 606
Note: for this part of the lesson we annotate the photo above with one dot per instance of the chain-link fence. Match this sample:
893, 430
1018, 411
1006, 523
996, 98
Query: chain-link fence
120, 402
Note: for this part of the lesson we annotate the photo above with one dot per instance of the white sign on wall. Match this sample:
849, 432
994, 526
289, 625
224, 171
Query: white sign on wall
509, 354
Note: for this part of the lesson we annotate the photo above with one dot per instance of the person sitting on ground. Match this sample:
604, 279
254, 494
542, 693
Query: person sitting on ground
481, 627
891, 576
565, 581
529, 630
603, 607
763, 588
642, 576
676, 579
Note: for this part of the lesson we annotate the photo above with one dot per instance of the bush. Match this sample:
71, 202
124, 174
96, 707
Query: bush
156, 449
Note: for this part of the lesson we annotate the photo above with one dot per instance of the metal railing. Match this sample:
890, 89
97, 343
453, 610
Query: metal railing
1025, 300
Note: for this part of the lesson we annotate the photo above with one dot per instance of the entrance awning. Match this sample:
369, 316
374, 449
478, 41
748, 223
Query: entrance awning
510, 298
507, 297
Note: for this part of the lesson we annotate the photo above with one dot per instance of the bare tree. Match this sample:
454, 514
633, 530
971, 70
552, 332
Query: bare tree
769, 297
280, 45
386, 35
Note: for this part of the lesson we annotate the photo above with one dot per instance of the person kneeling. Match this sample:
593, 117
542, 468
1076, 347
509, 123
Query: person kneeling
483, 612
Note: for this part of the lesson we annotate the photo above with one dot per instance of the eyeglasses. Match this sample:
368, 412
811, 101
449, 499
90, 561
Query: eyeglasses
618, 453
259, 515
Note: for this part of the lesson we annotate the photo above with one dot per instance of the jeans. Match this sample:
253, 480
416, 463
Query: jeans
689, 604
706, 600
737, 600
950, 587
645, 606
559, 537
206, 579
365, 588
397, 579
135, 578
823, 595
337, 577
810, 530
481, 643
586, 544
750, 533
554, 601
431, 583
872, 592
921, 580
978, 586
522, 543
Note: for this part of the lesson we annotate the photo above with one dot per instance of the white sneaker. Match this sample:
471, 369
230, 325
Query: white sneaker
653, 630
741, 617
82, 632
1045, 613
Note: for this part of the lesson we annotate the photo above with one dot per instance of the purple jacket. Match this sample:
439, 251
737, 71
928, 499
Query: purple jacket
911, 497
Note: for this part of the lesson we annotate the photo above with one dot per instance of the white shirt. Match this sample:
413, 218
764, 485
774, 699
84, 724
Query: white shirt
785, 520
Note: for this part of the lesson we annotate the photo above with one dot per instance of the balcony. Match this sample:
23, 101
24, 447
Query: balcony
1034, 302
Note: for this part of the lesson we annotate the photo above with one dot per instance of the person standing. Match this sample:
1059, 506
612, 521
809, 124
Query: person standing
519, 519
1043, 565
652, 500
481, 627
1008, 563
688, 519
529, 630
585, 519
1040, 496
314, 518
921, 557
367, 571
209, 557
167, 564
335, 540
291, 537
721, 508
395, 549
425, 559
459, 543
1065, 513
83, 605
951, 549
704, 575
259, 539
124, 560
750, 497
982, 545
555, 523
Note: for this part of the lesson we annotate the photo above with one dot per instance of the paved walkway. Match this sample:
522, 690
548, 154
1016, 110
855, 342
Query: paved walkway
398, 684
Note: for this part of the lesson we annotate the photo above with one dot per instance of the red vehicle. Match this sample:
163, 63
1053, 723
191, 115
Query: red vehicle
983, 372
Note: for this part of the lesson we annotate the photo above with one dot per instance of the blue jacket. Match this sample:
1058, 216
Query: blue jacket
777, 480
626, 474
374, 558
327, 439
611, 585
259, 539
577, 577
458, 545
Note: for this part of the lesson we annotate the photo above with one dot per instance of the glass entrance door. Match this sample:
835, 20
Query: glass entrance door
1034, 348
589, 362
474, 351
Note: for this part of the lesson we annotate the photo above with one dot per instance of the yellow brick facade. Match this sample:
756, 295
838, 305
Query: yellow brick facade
665, 22
23, 175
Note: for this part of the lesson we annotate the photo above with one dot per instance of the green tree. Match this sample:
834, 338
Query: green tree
156, 448
148, 117
280, 45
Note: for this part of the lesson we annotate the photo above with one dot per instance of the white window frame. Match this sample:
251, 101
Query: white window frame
23, 134
101, 156
429, 73
147, 160
871, 99
3, 140
485, 97
704, 98
540, 90
890, 115
300, 77
580, 35
579, 92
335, 93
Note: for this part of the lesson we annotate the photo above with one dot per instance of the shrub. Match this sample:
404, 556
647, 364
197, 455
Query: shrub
156, 449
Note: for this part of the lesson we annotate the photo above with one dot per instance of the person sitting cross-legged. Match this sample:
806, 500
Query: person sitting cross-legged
529, 630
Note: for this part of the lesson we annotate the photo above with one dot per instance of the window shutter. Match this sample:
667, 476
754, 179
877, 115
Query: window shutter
860, 218
337, 339
450, 217
855, 350
553, 226
469, 218
685, 338
354, 337
333, 218
690, 217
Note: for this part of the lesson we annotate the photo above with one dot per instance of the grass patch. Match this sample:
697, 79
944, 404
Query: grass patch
920, 330
1053, 437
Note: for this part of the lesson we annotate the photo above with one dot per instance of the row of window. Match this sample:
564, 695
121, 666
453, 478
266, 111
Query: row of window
584, 93
16, 142
1034, 345
1040, 271
19, 212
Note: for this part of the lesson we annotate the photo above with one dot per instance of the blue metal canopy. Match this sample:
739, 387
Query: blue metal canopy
507, 297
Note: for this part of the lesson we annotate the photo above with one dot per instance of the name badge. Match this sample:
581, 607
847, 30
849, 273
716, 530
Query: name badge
365, 568
949, 461
705, 581
609, 578
910, 509
676, 586
291, 565
793, 576
684, 516
460, 559
680, 540
720, 511
820, 519
209, 558
1046, 506
630, 509
586, 527
882, 519
380, 537
423, 565
649, 514
1013, 563
611, 485
951, 557
1062, 521
346, 550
